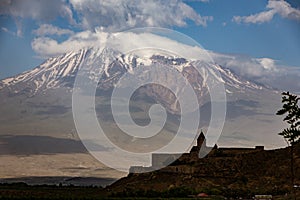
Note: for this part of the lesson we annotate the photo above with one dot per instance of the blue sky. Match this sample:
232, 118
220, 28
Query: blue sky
31, 31
278, 39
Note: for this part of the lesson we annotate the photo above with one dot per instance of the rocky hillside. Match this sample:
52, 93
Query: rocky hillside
219, 173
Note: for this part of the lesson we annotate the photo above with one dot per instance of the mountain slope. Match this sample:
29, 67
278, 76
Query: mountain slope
39, 101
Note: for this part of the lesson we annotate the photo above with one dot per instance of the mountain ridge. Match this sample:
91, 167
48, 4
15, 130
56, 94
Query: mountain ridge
54, 71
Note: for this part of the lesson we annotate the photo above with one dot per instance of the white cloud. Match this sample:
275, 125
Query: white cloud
250, 68
261, 70
122, 41
280, 7
48, 29
256, 18
112, 15
19, 28
284, 9
36, 10
96, 17
267, 63
117, 15
47, 47
4, 29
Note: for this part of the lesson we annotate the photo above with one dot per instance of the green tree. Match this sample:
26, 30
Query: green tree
291, 110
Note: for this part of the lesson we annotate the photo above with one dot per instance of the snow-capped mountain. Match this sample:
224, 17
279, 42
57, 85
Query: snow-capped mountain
39, 101
50, 74
60, 72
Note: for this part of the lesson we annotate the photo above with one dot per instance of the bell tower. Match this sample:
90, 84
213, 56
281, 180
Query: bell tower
201, 140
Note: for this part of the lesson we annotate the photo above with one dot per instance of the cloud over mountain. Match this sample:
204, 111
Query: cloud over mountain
260, 70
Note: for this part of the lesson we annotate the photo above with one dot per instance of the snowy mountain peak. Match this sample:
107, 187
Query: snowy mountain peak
61, 71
